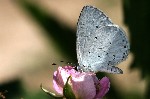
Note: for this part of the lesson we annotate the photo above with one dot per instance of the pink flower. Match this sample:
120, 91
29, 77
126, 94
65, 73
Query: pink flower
84, 85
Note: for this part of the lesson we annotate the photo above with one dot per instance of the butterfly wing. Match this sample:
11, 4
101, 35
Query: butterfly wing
100, 43
89, 21
110, 48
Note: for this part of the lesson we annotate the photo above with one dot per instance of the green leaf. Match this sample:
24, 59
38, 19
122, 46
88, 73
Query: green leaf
67, 90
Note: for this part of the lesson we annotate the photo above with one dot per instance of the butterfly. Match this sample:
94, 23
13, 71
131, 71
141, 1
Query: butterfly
101, 44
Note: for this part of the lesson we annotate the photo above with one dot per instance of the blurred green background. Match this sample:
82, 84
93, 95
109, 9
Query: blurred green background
34, 34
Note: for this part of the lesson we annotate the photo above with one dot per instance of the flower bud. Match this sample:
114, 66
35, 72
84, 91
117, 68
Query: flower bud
79, 85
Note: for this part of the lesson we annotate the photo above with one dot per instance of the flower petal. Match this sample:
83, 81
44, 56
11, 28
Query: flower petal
60, 77
104, 87
83, 86
56, 85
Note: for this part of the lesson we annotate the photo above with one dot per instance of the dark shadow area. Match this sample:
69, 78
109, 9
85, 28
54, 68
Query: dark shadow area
12, 89
137, 18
